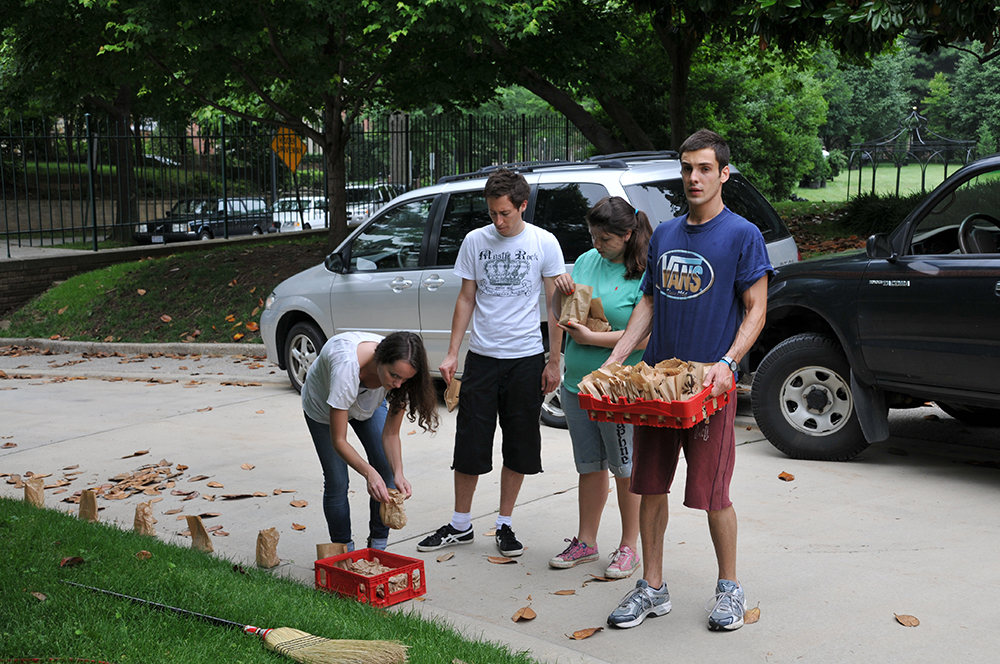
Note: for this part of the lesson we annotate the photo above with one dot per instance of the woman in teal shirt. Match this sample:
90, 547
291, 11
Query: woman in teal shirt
613, 268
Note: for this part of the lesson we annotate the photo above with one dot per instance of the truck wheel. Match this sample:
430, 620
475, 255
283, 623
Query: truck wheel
302, 346
802, 401
204, 235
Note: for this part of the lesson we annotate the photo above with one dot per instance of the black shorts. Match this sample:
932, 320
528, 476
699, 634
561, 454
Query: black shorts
511, 389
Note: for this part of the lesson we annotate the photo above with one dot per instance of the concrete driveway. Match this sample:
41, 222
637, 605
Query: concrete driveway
911, 527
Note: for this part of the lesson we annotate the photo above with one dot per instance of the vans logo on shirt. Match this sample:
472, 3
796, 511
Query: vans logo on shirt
684, 275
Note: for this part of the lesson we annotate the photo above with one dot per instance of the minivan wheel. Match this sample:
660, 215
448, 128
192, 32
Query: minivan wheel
552, 413
802, 400
302, 346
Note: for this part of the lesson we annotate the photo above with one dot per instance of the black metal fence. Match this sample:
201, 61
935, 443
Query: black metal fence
90, 182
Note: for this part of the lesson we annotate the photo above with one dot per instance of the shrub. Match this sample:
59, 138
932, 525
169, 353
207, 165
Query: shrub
878, 213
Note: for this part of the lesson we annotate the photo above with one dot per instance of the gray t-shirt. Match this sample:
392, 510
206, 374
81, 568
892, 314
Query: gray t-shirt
334, 381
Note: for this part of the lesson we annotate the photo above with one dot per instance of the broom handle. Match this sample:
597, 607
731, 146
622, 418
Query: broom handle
249, 629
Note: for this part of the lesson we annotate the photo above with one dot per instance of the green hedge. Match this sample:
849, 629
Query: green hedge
878, 213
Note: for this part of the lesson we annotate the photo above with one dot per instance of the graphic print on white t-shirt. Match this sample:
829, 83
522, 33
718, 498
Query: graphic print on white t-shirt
506, 275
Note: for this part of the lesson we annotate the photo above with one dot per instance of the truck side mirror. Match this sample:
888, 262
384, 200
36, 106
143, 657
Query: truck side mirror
879, 246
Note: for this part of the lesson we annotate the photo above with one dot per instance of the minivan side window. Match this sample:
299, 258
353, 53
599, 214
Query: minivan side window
392, 242
562, 210
466, 211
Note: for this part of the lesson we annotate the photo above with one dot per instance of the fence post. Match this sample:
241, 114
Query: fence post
225, 206
91, 165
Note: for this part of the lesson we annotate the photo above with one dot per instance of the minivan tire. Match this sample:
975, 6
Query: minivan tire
302, 347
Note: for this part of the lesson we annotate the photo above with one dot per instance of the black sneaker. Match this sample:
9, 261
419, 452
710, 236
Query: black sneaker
507, 542
445, 536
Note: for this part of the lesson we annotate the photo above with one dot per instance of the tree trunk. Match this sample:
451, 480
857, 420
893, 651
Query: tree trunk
602, 139
637, 138
335, 135
680, 43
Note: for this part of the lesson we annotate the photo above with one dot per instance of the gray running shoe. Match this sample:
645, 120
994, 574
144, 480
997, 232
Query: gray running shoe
640, 602
726, 609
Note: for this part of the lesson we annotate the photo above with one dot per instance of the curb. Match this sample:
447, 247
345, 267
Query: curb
63, 346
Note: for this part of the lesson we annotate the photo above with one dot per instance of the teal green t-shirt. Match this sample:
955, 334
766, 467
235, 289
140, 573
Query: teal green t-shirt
618, 296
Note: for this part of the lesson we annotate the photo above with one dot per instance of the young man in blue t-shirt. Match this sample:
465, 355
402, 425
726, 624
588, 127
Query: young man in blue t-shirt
704, 300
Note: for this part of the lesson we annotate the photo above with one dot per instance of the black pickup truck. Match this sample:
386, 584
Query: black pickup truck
913, 319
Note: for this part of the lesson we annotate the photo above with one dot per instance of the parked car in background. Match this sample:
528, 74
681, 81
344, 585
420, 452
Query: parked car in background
205, 219
395, 272
298, 213
912, 319
364, 200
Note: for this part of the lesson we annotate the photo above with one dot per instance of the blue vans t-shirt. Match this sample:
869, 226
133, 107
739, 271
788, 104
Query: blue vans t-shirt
696, 275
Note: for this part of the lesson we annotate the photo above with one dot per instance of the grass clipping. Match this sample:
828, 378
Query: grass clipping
304, 647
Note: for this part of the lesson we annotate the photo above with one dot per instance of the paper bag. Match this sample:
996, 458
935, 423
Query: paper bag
267, 548
34, 491
596, 320
88, 505
143, 522
392, 512
451, 394
576, 305
331, 549
199, 536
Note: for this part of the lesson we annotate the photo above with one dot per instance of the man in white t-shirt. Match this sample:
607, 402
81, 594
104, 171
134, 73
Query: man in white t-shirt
503, 268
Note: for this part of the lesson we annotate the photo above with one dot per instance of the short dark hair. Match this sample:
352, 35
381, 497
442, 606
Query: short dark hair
507, 183
706, 138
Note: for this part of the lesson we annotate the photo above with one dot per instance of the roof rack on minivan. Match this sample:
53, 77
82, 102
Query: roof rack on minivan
637, 155
528, 166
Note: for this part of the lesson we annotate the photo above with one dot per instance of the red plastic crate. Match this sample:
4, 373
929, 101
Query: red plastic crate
372, 590
656, 413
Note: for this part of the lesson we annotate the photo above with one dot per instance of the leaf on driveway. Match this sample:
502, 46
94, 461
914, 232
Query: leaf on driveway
490, 533
500, 560
175, 510
8, 446
908, 621
299, 503
209, 515
594, 577
278, 492
446, 556
135, 454
247, 466
564, 592
787, 477
581, 634
260, 412
215, 485
236, 496
524, 613
751, 616
205, 409
198, 478
298, 526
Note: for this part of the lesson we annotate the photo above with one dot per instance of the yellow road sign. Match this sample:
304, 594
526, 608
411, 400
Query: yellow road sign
289, 147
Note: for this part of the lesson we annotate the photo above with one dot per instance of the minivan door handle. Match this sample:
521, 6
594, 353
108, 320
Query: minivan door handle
399, 284
433, 282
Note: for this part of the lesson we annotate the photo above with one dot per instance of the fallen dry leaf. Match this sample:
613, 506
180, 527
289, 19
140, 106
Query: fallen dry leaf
165, 318
278, 492
220, 533
564, 592
446, 556
141, 291
252, 327
198, 478
581, 634
594, 577
40, 596
215, 485
490, 533
299, 503
71, 561
205, 410
135, 454
500, 560
751, 616
230, 318
260, 412
236, 496
298, 526
908, 621
143, 555
209, 515
247, 466
8, 446
524, 613
787, 477
63, 310
237, 336
174, 511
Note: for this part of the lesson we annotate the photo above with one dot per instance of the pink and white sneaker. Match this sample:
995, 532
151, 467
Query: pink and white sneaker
577, 552
624, 561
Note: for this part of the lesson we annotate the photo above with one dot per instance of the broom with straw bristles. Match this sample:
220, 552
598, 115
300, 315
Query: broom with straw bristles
300, 646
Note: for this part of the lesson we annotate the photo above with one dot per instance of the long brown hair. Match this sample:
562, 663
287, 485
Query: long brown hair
616, 216
417, 392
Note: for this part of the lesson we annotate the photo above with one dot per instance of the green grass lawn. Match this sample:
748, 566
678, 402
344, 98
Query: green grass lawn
836, 190
44, 618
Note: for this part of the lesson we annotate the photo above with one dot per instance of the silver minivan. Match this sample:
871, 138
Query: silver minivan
395, 272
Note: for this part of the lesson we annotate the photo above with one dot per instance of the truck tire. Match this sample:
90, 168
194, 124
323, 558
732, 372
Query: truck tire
302, 346
802, 400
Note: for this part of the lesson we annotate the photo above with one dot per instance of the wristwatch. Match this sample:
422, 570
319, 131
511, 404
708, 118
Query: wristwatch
733, 366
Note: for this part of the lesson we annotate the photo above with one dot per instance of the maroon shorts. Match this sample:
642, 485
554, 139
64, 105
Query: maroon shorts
710, 453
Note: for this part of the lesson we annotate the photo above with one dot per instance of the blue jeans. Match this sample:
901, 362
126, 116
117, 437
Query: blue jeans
336, 507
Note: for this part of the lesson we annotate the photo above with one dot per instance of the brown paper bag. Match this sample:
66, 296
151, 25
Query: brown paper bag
143, 522
688, 382
34, 491
576, 305
88, 505
392, 512
451, 394
199, 536
331, 549
596, 320
267, 548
